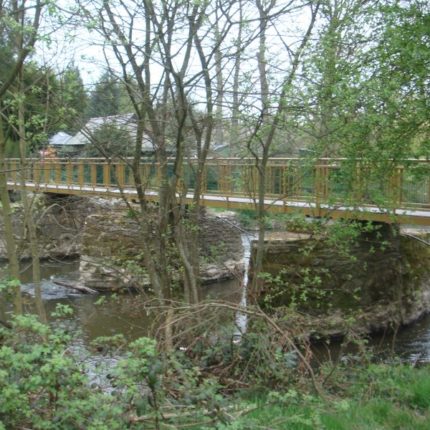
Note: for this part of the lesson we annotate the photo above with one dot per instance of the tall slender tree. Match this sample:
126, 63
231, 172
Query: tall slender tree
105, 98
273, 105
72, 99
154, 43
19, 26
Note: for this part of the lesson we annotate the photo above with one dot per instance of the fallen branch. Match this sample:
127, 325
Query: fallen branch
80, 288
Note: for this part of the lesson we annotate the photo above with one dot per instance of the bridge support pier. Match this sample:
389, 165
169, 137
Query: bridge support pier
378, 280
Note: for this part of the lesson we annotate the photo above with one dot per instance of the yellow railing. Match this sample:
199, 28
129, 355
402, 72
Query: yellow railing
388, 184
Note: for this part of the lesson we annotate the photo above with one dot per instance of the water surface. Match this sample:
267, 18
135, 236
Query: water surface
125, 313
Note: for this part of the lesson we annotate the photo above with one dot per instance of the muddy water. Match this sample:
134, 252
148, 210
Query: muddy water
125, 314
101, 315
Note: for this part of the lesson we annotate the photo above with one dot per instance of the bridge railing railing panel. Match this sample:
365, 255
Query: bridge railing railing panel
36, 172
13, 170
382, 183
415, 185
361, 183
128, 176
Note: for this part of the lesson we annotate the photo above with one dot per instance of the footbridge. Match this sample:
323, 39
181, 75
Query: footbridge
387, 191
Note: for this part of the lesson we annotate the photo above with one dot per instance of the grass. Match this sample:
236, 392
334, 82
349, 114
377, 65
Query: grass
378, 397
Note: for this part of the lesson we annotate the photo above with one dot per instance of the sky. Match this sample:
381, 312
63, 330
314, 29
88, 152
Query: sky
68, 44
74, 44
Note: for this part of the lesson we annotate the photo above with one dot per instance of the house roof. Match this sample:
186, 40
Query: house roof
60, 139
125, 122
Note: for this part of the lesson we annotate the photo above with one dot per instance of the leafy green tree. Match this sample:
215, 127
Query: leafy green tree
52, 103
72, 99
110, 140
367, 85
19, 26
398, 90
105, 99
40, 88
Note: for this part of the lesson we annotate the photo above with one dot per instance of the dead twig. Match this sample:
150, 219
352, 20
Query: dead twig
82, 289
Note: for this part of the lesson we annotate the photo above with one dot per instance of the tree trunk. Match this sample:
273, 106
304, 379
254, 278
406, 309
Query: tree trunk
267, 127
219, 126
235, 132
28, 216
7, 223
261, 159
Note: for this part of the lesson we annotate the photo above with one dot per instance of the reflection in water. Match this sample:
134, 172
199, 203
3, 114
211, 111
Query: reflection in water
410, 343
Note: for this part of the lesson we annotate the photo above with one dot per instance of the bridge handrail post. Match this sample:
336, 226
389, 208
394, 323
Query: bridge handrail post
93, 174
358, 182
13, 168
58, 172
81, 173
120, 173
427, 204
320, 184
106, 174
69, 173
36, 172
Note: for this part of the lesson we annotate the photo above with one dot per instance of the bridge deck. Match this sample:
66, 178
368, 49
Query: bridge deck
338, 188
366, 212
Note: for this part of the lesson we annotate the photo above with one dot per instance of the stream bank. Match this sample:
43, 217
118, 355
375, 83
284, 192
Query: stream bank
102, 234
123, 315
379, 283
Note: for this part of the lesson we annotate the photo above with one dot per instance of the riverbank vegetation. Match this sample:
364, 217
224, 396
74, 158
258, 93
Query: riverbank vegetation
46, 383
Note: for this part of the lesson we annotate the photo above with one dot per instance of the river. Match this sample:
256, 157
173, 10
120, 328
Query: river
101, 314
124, 313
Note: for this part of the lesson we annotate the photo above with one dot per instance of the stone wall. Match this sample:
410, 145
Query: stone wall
106, 239
383, 281
112, 251
59, 221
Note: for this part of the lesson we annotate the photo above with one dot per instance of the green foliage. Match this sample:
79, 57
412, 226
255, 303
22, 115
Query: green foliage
39, 89
105, 99
62, 311
12, 148
51, 104
367, 97
73, 100
8, 288
259, 359
217, 252
248, 219
111, 344
343, 235
317, 273
110, 140
375, 397
41, 385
